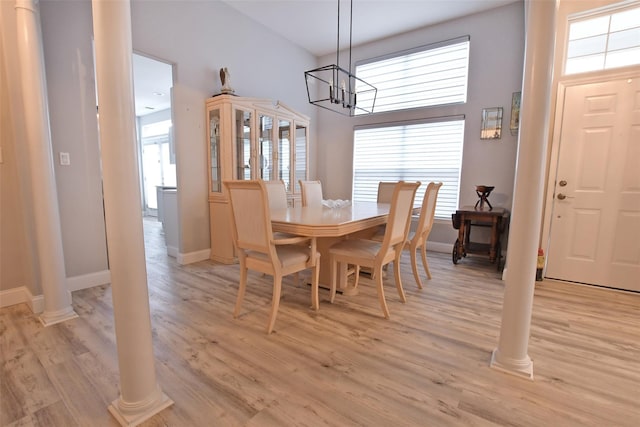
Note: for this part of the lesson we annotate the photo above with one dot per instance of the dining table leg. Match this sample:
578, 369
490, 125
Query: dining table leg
323, 246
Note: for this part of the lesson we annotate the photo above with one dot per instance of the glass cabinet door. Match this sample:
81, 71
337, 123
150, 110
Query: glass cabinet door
215, 186
242, 124
300, 161
265, 147
284, 152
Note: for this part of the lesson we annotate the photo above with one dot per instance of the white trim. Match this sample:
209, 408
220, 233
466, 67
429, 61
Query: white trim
418, 49
192, 257
561, 87
90, 280
35, 303
14, 296
20, 295
439, 247
172, 251
128, 414
521, 368
607, 9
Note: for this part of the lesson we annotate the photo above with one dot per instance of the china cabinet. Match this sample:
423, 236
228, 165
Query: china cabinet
251, 138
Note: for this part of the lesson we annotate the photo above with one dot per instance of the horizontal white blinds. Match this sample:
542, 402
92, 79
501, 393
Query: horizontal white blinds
426, 76
427, 151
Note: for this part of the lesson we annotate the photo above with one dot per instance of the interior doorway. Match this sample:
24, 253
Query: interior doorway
594, 233
158, 172
153, 83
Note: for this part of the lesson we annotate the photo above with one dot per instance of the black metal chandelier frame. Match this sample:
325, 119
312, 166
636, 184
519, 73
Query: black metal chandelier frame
337, 89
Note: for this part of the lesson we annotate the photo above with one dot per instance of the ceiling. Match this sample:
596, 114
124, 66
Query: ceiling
313, 25
152, 82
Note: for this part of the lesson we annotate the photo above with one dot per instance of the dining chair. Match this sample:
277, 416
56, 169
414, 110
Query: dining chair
385, 191
258, 250
417, 240
311, 193
373, 254
385, 194
277, 194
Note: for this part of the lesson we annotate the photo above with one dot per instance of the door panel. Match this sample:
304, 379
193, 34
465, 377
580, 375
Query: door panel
595, 224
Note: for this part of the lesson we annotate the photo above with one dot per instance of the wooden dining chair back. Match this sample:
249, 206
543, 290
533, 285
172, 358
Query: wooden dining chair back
277, 194
374, 254
417, 240
257, 248
311, 193
385, 191
385, 194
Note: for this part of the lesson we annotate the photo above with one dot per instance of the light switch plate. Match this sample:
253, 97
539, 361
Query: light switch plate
65, 159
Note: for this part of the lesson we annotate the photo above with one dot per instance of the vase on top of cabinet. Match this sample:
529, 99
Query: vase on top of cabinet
251, 138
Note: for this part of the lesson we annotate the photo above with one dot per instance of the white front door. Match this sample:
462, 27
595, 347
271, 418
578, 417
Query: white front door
595, 221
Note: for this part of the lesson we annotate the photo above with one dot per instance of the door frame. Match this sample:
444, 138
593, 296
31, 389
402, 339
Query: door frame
600, 77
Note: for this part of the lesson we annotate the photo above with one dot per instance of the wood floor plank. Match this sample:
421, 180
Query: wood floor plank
84, 402
55, 414
25, 379
344, 365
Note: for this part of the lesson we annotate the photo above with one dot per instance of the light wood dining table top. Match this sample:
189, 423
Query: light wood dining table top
330, 222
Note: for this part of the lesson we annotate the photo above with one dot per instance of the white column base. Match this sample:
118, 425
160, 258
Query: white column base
129, 414
522, 368
49, 318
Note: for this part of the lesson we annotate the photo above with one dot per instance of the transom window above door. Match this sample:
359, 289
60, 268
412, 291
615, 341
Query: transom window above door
602, 41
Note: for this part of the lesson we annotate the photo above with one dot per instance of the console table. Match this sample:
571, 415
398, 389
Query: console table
468, 217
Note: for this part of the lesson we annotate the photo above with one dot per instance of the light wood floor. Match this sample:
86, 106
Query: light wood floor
342, 366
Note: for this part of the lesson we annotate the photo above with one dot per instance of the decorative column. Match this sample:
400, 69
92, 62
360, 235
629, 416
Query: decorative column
141, 397
48, 235
526, 219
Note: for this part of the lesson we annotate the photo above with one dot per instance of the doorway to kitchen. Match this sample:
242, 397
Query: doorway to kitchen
153, 82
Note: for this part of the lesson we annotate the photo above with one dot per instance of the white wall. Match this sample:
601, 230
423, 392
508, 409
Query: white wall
200, 38
495, 72
67, 41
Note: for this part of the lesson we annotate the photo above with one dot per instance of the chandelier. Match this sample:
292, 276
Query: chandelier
337, 89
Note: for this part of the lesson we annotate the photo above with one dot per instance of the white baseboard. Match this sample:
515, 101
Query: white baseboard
20, 295
90, 280
172, 251
191, 257
36, 303
14, 296
440, 247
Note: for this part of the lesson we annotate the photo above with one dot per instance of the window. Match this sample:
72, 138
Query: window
429, 75
604, 41
156, 129
418, 151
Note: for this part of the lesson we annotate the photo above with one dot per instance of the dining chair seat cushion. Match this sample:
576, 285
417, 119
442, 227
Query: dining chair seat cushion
379, 236
287, 255
360, 248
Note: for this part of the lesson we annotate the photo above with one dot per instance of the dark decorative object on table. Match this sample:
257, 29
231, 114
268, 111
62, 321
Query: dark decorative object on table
483, 192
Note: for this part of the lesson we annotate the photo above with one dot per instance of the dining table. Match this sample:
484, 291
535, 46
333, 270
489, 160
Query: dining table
330, 225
